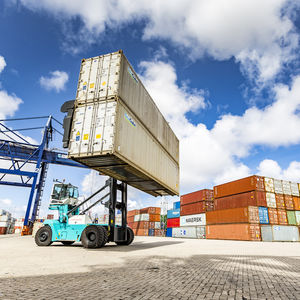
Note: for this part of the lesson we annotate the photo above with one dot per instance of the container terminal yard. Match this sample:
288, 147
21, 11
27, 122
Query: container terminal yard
238, 240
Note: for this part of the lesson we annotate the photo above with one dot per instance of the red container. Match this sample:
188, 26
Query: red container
150, 210
289, 203
142, 232
235, 215
192, 209
254, 198
133, 213
282, 217
3, 230
130, 219
154, 218
174, 222
130, 225
248, 184
242, 232
296, 201
141, 225
280, 201
197, 196
273, 216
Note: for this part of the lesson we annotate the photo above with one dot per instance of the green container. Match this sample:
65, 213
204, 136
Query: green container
297, 213
291, 217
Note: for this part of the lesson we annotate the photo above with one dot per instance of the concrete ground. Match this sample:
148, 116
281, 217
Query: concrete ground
150, 268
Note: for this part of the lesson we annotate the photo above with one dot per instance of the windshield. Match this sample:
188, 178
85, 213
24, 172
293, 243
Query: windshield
63, 191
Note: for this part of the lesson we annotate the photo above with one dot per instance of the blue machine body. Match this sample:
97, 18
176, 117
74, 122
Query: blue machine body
176, 205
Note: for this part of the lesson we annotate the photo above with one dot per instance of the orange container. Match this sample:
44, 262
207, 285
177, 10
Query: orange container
248, 184
235, 215
141, 225
3, 230
254, 198
133, 213
282, 217
130, 219
130, 225
289, 203
273, 216
150, 210
154, 218
243, 232
280, 201
142, 232
197, 196
192, 209
151, 225
296, 201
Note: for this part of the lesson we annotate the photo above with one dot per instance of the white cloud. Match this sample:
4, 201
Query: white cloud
9, 104
56, 81
271, 168
259, 34
6, 202
2, 63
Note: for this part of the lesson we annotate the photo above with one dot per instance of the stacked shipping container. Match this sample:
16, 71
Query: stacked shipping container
145, 221
7, 223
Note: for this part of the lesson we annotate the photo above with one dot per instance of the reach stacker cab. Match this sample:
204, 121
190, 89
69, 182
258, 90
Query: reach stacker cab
74, 225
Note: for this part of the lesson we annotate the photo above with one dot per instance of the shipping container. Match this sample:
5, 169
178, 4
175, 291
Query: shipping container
173, 222
286, 187
118, 130
282, 217
280, 201
193, 208
169, 232
159, 232
291, 217
289, 203
278, 186
142, 232
234, 215
150, 210
137, 218
132, 213
193, 220
297, 214
296, 201
151, 232
263, 215
254, 198
130, 224
108, 138
140, 225
176, 205
3, 230
271, 200
278, 233
197, 196
130, 219
294, 189
273, 216
173, 213
184, 232
269, 184
248, 184
243, 232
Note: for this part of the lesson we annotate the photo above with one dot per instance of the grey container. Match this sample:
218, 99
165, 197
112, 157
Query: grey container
118, 130
279, 233
192, 232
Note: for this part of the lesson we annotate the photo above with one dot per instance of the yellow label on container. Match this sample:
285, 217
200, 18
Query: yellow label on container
78, 133
85, 136
84, 83
104, 83
98, 136
92, 85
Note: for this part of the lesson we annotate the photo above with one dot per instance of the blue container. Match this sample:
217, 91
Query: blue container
263, 215
176, 205
151, 232
169, 232
173, 213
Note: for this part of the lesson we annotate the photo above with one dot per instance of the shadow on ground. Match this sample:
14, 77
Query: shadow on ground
158, 277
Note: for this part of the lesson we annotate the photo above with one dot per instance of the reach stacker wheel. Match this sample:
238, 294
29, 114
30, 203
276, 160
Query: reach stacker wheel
67, 243
105, 235
92, 237
130, 238
43, 237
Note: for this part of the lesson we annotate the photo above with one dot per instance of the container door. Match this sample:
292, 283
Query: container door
92, 78
99, 127
86, 130
109, 124
84, 79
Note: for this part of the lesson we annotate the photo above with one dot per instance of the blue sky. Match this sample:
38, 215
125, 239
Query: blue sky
223, 76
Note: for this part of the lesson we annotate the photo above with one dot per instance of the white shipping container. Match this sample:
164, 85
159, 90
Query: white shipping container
271, 200
4, 223
269, 184
109, 76
294, 189
201, 232
278, 186
184, 232
144, 217
157, 225
193, 220
5, 218
109, 138
279, 233
286, 187
297, 215
137, 218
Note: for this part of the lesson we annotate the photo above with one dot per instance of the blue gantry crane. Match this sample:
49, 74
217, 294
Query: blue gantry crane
25, 164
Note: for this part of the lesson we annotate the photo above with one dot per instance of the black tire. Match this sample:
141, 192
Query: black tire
92, 237
130, 238
67, 243
43, 236
105, 235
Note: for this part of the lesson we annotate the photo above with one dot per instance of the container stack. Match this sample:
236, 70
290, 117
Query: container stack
173, 218
19, 225
145, 222
6, 222
255, 208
